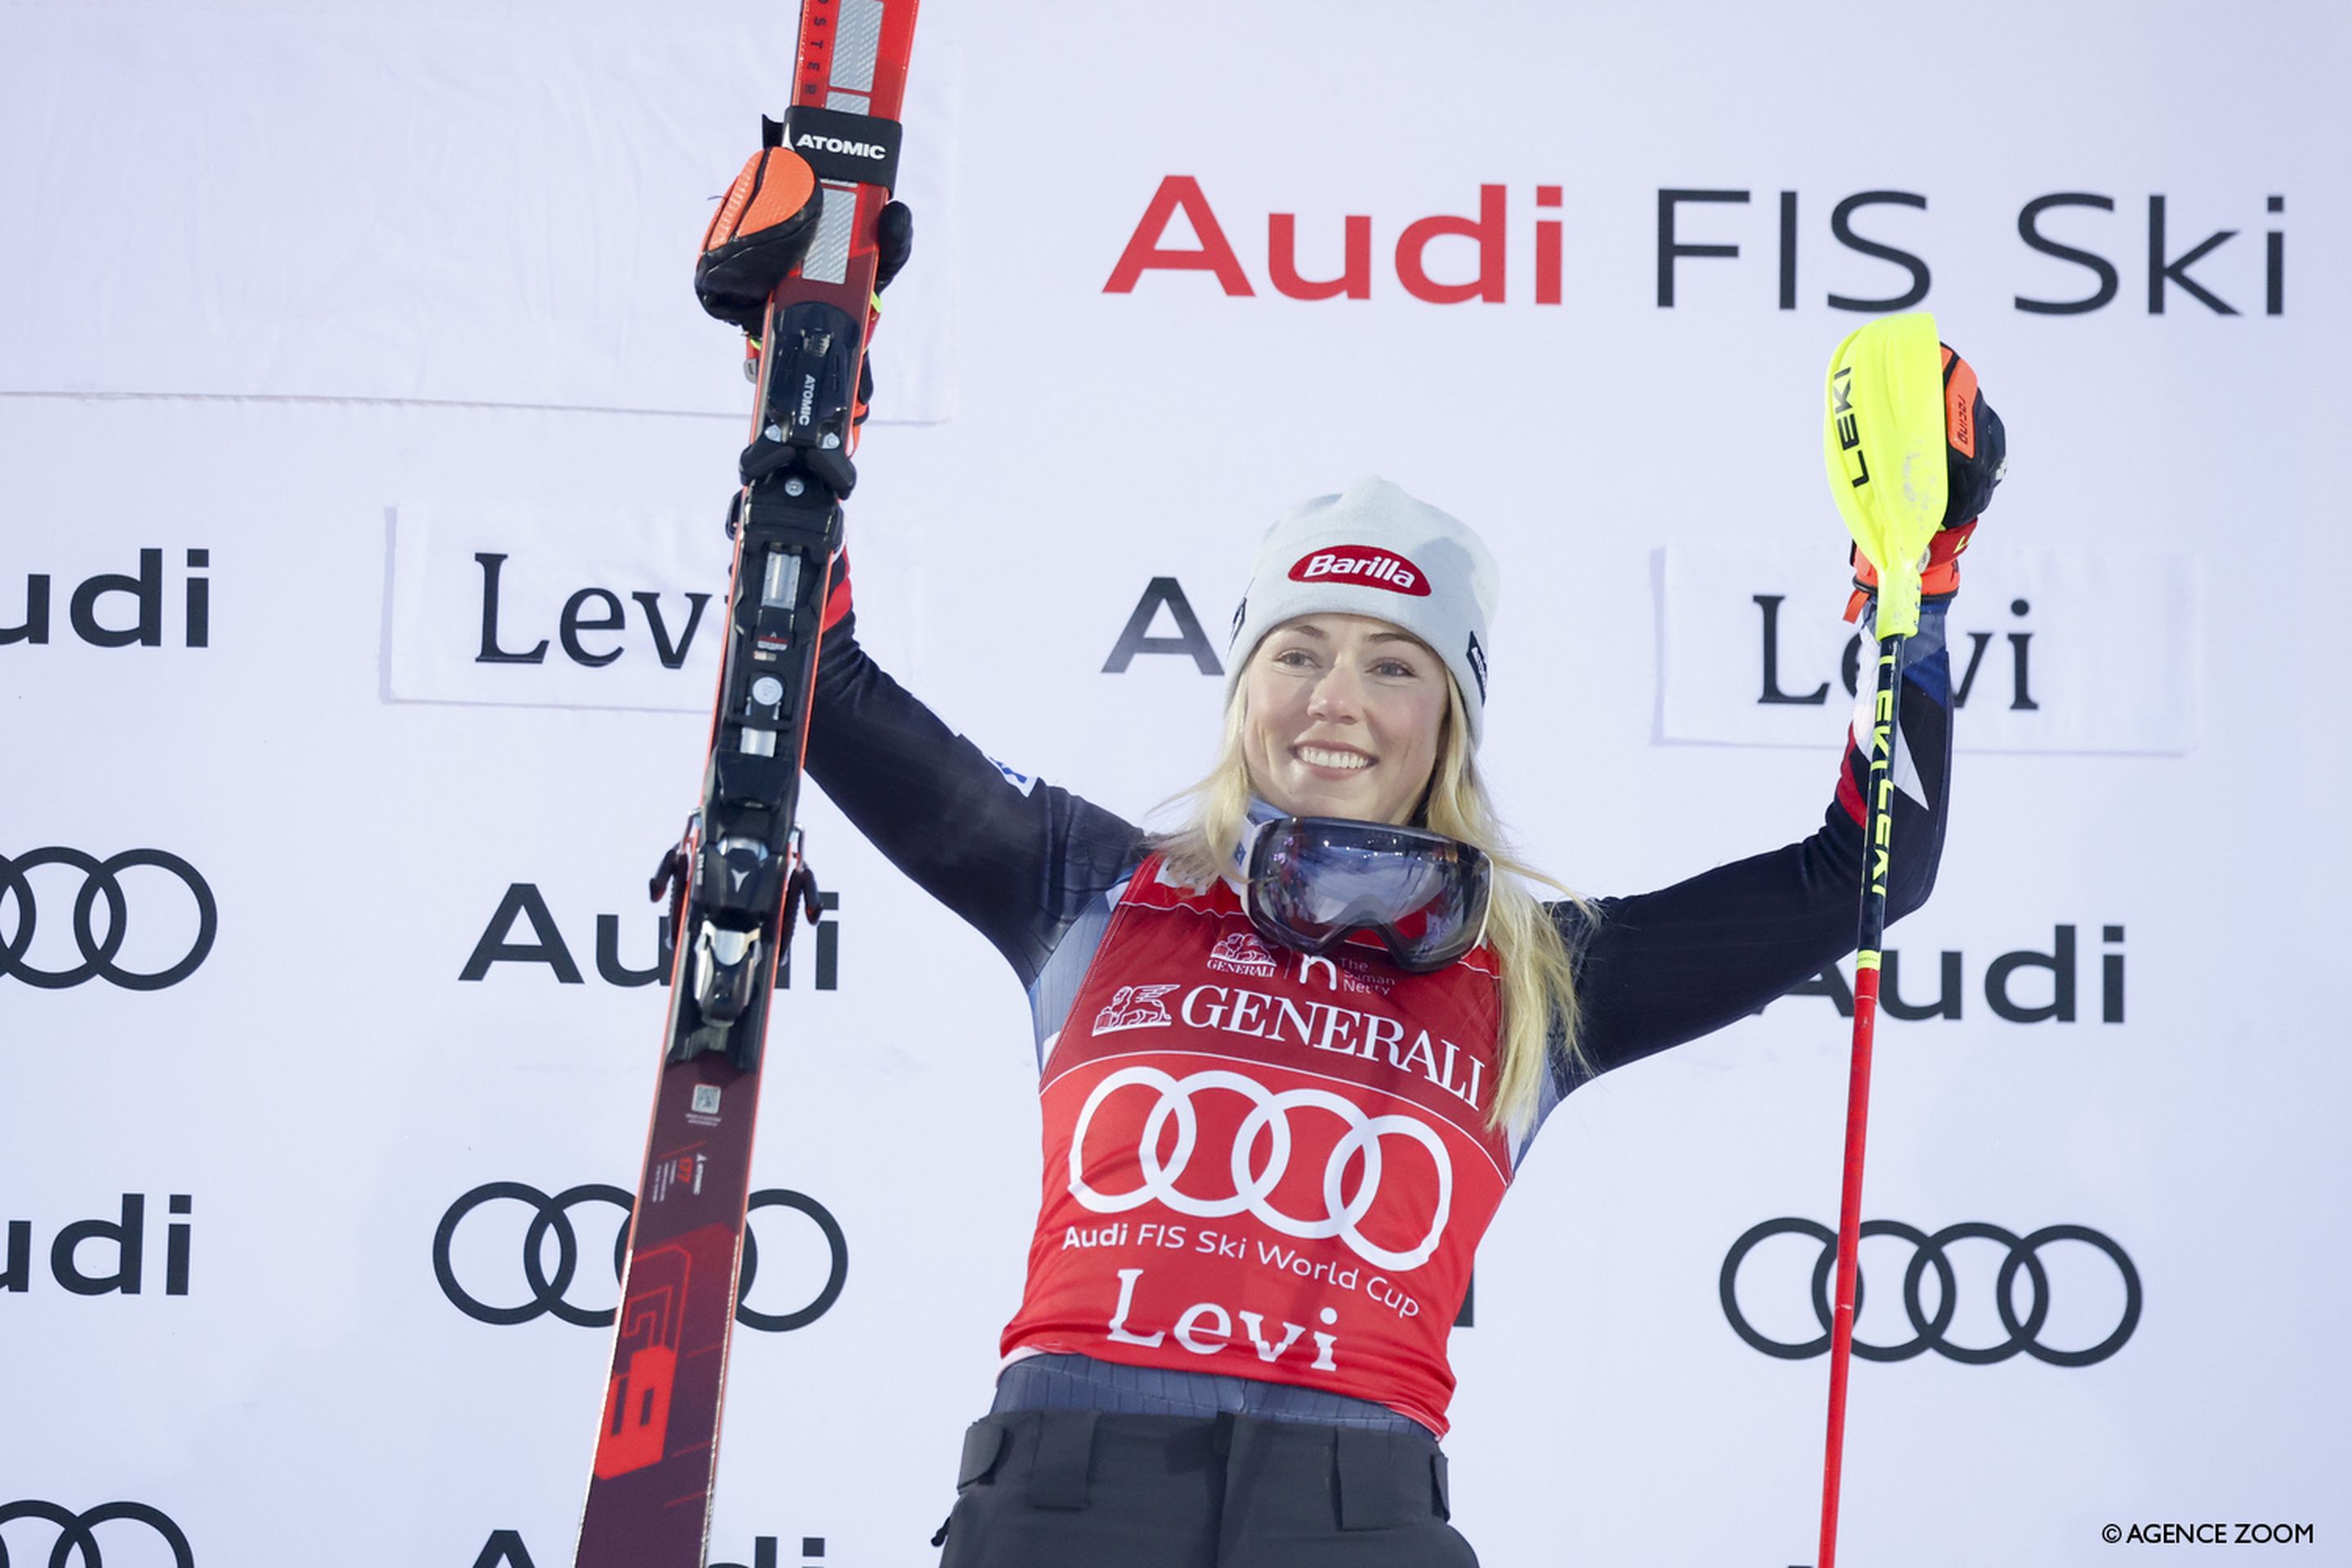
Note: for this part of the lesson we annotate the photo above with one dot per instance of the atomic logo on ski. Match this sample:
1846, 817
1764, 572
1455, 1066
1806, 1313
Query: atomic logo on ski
814, 144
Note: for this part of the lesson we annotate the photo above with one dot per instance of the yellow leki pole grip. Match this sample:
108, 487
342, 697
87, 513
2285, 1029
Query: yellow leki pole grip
1882, 441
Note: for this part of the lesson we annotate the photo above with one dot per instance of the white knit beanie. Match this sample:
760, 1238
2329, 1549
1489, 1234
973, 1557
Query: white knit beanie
1373, 550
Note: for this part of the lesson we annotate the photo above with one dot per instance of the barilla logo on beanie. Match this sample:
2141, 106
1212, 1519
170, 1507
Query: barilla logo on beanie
1362, 563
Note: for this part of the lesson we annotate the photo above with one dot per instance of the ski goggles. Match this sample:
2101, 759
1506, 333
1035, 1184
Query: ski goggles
1311, 882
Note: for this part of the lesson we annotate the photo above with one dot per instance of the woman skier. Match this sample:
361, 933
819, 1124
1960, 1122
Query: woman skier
1291, 1053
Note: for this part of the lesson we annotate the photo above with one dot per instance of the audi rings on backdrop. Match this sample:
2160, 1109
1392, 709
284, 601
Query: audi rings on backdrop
76, 1543
1269, 1113
1927, 1327
837, 1270
99, 880
549, 1288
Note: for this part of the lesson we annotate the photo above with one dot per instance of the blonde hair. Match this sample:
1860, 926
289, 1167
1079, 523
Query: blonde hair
1537, 985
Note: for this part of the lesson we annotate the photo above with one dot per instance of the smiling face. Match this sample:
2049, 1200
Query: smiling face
1343, 714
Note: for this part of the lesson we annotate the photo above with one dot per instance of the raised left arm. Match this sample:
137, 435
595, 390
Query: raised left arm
1665, 967
1659, 968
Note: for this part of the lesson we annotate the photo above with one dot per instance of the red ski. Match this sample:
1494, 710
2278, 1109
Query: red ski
737, 881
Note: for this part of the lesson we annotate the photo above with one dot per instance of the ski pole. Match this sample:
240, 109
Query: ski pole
1884, 418
1875, 844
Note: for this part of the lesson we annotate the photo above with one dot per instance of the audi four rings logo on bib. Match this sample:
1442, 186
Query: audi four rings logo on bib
1268, 1122
550, 1287
76, 1545
1361, 563
101, 882
1931, 1254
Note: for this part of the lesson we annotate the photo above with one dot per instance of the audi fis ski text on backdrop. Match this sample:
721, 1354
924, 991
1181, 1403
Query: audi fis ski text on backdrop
1689, 232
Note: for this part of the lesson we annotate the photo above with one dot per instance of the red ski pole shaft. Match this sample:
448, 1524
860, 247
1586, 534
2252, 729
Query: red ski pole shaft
1878, 833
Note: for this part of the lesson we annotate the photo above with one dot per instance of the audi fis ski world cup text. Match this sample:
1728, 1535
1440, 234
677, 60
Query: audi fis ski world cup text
1707, 245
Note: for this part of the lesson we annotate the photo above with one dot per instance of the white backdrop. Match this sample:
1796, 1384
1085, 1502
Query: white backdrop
348, 297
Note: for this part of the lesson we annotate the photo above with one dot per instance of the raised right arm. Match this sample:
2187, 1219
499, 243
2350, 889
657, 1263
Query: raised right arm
1018, 859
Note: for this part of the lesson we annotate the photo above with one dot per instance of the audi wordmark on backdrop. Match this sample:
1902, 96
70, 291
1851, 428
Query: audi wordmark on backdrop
507, 1549
101, 1256
1189, 639
523, 931
2028, 986
116, 610
33, 1530
177, 918
2101, 1284
477, 1248
1703, 232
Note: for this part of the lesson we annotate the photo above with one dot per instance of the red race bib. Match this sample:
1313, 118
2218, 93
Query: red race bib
1263, 1164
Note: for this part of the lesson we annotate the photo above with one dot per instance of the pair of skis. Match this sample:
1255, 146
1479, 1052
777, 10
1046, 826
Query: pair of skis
738, 881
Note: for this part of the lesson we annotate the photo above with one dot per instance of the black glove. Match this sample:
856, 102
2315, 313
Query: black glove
1976, 459
894, 242
760, 233
1976, 447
